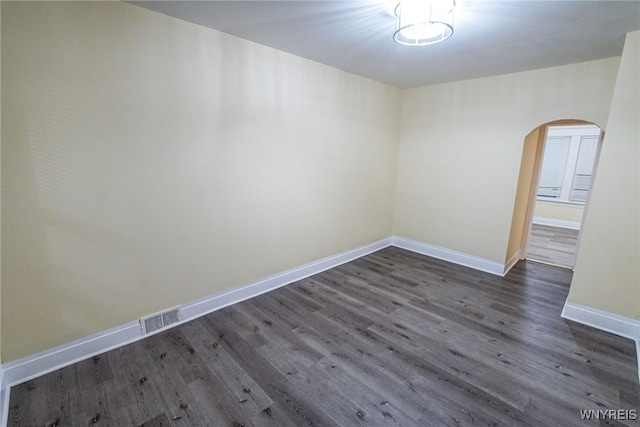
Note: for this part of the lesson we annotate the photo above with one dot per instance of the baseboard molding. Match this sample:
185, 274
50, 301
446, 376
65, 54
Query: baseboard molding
206, 305
450, 255
35, 365
573, 225
605, 321
513, 261
24, 369
4, 399
638, 356
4, 408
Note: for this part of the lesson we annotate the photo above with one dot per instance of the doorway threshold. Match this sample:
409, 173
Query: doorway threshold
550, 263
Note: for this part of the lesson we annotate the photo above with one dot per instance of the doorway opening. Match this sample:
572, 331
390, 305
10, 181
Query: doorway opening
566, 172
556, 174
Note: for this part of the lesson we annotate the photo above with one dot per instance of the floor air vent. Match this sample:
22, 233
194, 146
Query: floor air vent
159, 321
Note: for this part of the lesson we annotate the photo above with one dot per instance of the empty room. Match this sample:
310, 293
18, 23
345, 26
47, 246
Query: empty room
286, 213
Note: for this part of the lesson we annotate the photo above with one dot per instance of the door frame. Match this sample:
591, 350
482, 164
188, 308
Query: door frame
535, 181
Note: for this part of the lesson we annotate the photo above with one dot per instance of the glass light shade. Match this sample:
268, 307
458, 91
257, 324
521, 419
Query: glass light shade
422, 22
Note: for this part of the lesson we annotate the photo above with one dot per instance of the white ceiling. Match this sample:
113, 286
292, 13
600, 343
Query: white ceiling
491, 36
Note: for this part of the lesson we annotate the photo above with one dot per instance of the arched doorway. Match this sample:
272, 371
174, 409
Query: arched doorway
558, 164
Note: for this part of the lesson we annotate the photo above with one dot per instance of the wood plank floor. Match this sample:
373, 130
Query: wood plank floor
391, 339
554, 245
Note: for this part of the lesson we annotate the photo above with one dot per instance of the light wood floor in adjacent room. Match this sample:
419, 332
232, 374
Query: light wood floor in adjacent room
553, 245
391, 339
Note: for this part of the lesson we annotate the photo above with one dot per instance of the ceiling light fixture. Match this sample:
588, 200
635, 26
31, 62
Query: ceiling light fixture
422, 22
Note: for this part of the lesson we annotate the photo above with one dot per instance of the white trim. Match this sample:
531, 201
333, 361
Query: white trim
605, 321
565, 203
552, 222
638, 355
514, 259
206, 305
35, 365
4, 400
26, 368
450, 255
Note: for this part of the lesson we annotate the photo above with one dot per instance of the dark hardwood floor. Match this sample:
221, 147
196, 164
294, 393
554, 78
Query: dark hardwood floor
391, 339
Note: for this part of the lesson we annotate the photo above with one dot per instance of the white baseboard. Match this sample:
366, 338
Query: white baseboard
35, 365
574, 225
24, 369
4, 400
603, 320
206, 305
638, 356
514, 259
450, 255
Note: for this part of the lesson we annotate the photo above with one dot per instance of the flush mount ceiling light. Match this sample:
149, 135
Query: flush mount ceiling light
422, 22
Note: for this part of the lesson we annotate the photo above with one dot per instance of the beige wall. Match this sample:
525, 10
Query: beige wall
148, 162
607, 271
558, 211
461, 147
